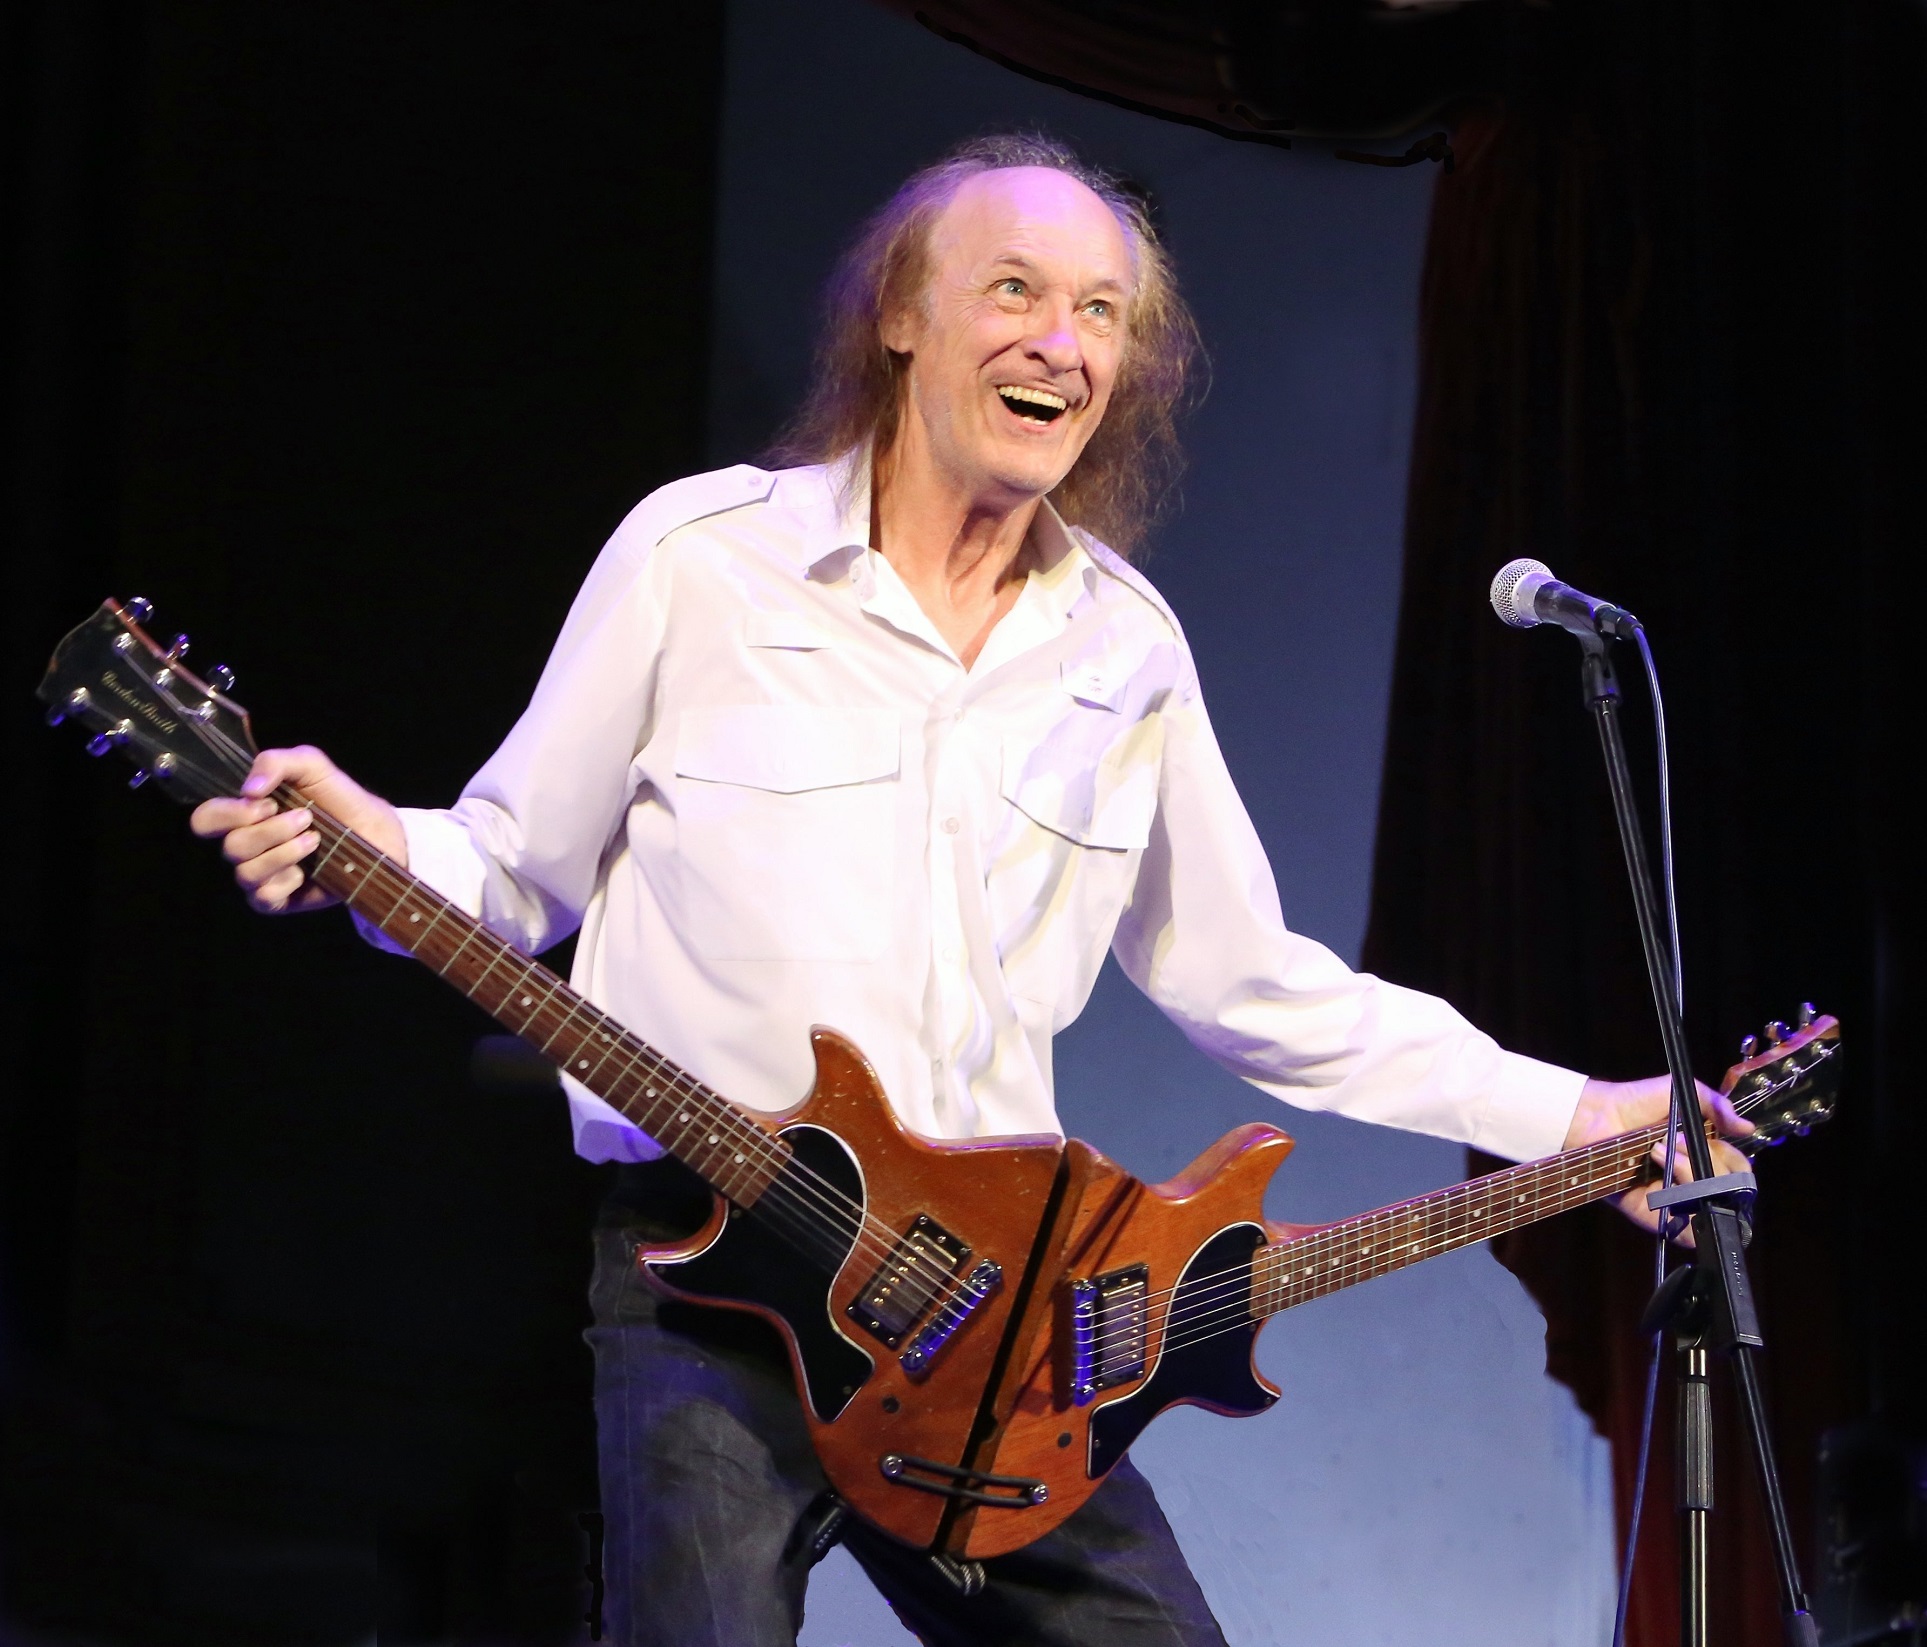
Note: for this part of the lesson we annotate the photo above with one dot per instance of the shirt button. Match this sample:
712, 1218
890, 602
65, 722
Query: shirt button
952, 825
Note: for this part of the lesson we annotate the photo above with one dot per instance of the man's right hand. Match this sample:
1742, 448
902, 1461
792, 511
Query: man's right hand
266, 845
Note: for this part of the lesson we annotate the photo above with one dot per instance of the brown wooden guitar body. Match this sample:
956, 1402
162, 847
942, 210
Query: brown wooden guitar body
991, 1195
1108, 1223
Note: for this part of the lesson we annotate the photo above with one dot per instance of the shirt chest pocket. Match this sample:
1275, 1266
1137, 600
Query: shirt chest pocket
1089, 780
785, 837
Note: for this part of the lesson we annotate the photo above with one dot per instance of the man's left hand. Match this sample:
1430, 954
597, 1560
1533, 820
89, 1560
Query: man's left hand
1609, 1108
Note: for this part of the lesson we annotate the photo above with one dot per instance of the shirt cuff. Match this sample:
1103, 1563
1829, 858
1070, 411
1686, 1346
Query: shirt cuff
1530, 1110
442, 854
602, 1132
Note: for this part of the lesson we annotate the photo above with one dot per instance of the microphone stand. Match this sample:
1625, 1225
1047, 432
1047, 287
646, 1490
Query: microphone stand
1707, 1303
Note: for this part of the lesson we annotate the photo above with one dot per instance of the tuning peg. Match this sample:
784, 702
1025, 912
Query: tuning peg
140, 609
1807, 1015
103, 743
1749, 1047
56, 715
1775, 1032
221, 678
179, 649
138, 779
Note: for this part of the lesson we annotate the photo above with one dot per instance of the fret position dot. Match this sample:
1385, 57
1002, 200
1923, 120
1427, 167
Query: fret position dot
414, 917
739, 1160
679, 1117
714, 1139
526, 1000
582, 1063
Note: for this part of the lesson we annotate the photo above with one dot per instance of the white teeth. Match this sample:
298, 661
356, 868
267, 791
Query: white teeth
1037, 397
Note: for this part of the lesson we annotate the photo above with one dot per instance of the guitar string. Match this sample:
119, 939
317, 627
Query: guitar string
1319, 1243
779, 1202
1198, 1306
869, 1237
1238, 1314
1225, 1295
865, 1235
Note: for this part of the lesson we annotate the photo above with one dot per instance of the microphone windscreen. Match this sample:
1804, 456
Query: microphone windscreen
1513, 587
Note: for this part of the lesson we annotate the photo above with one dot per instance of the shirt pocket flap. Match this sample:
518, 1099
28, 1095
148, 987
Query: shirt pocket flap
1109, 803
787, 747
792, 631
1093, 683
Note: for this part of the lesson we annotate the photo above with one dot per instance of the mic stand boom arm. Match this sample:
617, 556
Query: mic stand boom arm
1730, 1321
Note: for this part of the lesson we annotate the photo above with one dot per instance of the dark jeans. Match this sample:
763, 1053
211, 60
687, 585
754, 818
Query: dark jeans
707, 1470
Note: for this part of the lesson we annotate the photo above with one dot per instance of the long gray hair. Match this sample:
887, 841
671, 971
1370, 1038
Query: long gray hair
1127, 472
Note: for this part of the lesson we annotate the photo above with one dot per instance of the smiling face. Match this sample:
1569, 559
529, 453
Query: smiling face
1014, 352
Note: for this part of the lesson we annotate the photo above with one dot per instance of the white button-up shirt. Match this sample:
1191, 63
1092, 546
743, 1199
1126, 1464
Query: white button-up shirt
771, 795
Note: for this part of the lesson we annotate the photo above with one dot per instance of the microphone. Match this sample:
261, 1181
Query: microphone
1526, 594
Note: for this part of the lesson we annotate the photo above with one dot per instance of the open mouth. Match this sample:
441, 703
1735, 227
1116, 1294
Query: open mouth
1037, 406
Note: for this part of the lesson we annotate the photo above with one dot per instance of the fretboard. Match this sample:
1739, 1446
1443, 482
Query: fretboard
730, 1150
1376, 1243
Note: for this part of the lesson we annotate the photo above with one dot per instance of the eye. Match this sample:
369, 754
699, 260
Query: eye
1011, 286
1102, 310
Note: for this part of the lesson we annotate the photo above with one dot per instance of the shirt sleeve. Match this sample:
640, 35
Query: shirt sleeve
523, 846
1205, 938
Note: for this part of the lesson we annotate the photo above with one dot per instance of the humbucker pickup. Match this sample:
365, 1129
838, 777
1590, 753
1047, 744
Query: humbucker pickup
917, 1273
1108, 1334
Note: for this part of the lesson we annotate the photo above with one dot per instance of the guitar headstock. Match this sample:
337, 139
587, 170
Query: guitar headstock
139, 700
1787, 1079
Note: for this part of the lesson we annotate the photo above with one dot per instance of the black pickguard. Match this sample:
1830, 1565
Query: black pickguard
1215, 1370
766, 1257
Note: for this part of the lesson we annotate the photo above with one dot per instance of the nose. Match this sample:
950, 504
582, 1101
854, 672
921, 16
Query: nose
1053, 340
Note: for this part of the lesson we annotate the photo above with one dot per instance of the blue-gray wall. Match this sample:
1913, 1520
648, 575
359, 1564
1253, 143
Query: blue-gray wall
1422, 1479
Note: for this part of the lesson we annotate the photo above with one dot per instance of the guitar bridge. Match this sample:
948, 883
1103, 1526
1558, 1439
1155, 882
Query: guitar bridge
1108, 1332
949, 1320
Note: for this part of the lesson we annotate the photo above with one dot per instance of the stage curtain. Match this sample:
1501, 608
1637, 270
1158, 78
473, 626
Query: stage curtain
1670, 346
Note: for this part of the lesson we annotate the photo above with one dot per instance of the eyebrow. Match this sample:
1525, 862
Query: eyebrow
1016, 260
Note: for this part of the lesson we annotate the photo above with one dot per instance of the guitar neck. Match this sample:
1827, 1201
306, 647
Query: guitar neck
1375, 1243
733, 1153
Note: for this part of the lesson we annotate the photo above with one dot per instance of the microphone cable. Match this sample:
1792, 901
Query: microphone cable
1670, 893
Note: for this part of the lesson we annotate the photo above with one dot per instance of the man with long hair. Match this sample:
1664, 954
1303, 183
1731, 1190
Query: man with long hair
893, 737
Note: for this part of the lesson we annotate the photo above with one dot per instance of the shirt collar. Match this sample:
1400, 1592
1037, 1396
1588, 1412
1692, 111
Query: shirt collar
832, 503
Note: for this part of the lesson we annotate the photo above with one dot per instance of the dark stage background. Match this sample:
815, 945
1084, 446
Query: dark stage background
347, 331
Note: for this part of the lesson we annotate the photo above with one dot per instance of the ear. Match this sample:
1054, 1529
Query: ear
898, 331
